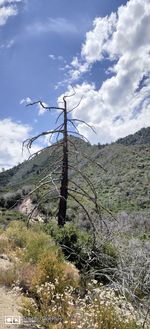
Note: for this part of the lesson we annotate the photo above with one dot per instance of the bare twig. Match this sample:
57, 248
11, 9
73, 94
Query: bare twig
82, 121
86, 212
45, 107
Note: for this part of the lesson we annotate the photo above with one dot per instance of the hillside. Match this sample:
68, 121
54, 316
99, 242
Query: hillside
99, 277
124, 185
140, 137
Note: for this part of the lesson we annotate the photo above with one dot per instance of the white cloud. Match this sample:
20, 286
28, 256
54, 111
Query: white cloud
12, 134
41, 109
56, 25
8, 8
77, 68
93, 48
124, 31
121, 105
26, 101
58, 58
6, 12
7, 44
5, 2
51, 56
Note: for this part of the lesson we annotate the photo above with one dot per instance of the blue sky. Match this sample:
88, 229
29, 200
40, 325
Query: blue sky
101, 47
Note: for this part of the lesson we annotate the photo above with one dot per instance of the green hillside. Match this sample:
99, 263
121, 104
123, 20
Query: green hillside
140, 137
123, 185
95, 256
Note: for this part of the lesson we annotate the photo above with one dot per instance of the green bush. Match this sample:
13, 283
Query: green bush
75, 243
33, 241
37, 244
10, 199
18, 234
109, 249
77, 246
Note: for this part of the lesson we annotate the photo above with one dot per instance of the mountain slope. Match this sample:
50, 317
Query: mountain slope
140, 137
124, 184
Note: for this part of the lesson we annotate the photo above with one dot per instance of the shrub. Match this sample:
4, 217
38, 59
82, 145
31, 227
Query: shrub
10, 199
17, 233
51, 268
98, 309
4, 245
33, 242
75, 243
8, 276
110, 249
37, 243
26, 274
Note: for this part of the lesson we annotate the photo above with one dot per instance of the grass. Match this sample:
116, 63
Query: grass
9, 276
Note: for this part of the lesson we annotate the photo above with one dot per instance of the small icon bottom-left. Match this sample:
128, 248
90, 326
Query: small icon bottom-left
12, 319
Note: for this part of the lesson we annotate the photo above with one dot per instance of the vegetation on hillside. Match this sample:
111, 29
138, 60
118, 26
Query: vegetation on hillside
53, 290
140, 137
68, 275
123, 186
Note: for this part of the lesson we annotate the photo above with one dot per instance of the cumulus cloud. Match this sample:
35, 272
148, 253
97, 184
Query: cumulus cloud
12, 134
8, 8
6, 12
121, 105
94, 46
41, 109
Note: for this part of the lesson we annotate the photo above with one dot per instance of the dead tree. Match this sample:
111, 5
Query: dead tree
64, 176
68, 187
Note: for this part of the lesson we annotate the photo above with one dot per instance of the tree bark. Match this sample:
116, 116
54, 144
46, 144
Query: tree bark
64, 179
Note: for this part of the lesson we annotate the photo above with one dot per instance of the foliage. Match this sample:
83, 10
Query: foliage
6, 216
140, 137
99, 308
37, 244
10, 199
77, 245
124, 185
8, 276
74, 242
17, 233
55, 286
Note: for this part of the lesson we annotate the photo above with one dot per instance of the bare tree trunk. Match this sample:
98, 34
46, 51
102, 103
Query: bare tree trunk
63, 162
64, 179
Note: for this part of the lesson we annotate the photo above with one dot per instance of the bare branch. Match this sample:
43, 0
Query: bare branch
72, 143
46, 107
58, 117
71, 95
43, 149
91, 160
84, 192
29, 141
76, 106
82, 121
86, 212
85, 178
74, 126
80, 135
